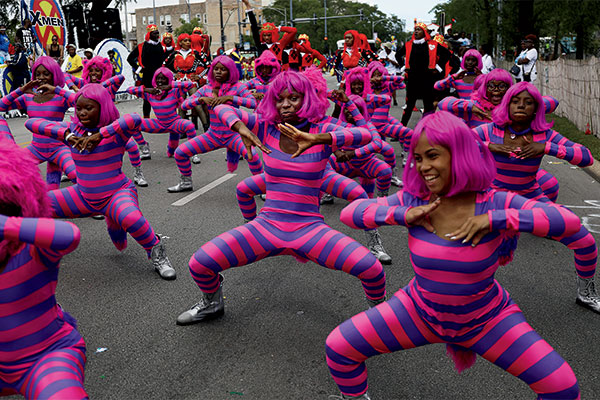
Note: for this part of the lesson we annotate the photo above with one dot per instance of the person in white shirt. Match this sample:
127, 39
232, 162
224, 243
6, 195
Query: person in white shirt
387, 56
486, 58
527, 60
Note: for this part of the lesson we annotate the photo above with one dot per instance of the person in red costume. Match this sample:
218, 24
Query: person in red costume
351, 55
309, 54
366, 53
200, 42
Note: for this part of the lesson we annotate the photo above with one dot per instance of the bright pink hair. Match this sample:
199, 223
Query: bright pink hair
355, 74
166, 73
473, 167
234, 75
315, 76
472, 53
58, 76
22, 190
497, 74
290, 81
267, 58
98, 62
377, 66
501, 114
360, 104
97, 92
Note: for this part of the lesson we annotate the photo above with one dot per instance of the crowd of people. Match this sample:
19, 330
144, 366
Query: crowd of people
471, 184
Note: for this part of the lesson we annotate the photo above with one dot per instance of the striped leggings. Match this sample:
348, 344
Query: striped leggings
394, 129
121, 209
389, 155
373, 168
175, 130
307, 240
507, 340
58, 374
210, 141
58, 160
548, 183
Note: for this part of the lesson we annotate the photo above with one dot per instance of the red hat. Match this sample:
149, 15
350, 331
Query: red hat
423, 26
150, 28
269, 27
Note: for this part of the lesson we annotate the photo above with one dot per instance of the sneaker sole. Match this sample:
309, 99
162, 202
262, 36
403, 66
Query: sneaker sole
179, 191
169, 278
206, 318
585, 305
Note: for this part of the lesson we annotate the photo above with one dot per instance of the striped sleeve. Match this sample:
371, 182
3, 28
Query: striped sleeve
52, 238
114, 84
444, 83
395, 82
12, 100
251, 84
459, 107
243, 98
374, 146
73, 81
517, 213
5, 130
193, 100
550, 104
371, 213
47, 128
70, 97
560, 147
123, 128
183, 86
483, 131
378, 100
229, 115
137, 91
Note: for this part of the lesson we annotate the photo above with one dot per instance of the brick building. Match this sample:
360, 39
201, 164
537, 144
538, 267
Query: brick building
207, 12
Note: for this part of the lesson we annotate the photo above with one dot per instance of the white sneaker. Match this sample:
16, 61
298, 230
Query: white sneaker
327, 199
161, 262
196, 159
145, 152
586, 294
375, 246
138, 177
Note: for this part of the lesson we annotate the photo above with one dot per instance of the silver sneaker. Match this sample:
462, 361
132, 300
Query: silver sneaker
138, 177
161, 262
327, 199
196, 159
263, 197
210, 306
397, 181
64, 178
145, 152
586, 294
376, 247
185, 185
365, 396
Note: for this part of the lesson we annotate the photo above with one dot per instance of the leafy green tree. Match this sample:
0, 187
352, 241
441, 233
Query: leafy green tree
188, 27
9, 16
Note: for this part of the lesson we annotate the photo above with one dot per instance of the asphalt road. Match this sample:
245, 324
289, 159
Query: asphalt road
270, 343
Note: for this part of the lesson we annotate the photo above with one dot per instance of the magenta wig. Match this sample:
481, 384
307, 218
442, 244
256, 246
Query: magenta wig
98, 62
97, 92
355, 74
497, 74
501, 114
467, 150
315, 76
472, 53
360, 104
290, 81
377, 66
267, 58
58, 76
166, 72
234, 75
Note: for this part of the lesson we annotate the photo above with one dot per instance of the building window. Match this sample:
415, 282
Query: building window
205, 18
185, 18
199, 17
168, 19
143, 20
150, 20
162, 20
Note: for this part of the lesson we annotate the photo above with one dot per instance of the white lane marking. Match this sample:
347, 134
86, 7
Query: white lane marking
591, 204
183, 201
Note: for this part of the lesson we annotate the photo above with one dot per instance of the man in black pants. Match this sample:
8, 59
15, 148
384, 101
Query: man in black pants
423, 61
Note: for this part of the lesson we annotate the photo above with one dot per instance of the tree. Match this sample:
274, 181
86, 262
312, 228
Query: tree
9, 15
188, 27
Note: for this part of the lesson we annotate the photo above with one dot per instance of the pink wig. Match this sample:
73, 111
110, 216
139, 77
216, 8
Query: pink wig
472, 53
501, 114
23, 193
360, 104
467, 150
108, 110
268, 59
497, 74
58, 76
355, 74
98, 62
290, 81
315, 76
377, 66
234, 75
166, 72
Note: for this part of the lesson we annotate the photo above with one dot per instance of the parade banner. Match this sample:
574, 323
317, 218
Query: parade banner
47, 20
6, 79
119, 60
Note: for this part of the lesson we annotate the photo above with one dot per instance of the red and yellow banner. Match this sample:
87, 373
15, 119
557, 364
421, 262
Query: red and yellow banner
47, 20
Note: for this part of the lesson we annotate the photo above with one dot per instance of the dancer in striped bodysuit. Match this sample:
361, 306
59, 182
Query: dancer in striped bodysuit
458, 236
519, 138
478, 111
42, 355
5, 130
266, 67
463, 81
98, 137
47, 105
290, 222
223, 87
99, 70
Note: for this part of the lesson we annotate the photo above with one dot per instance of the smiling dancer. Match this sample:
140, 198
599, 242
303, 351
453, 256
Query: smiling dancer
463, 81
290, 222
458, 236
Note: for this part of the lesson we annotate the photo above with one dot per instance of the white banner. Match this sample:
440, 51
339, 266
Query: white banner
120, 60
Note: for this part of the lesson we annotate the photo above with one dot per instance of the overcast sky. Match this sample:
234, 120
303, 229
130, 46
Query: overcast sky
405, 9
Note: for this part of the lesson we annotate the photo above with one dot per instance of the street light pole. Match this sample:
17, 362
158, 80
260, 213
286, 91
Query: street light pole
154, 10
222, 26
326, 37
291, 14
240, 24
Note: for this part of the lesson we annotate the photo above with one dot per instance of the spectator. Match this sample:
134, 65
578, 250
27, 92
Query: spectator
113, 61
55, 50
74, 62
19, 66
88, 53
527, 59
4, 43
486, 58
25, 36
464, 40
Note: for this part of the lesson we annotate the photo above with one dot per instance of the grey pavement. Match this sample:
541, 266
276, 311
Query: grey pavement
270, 343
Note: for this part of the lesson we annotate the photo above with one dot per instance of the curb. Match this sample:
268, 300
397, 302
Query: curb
593, 170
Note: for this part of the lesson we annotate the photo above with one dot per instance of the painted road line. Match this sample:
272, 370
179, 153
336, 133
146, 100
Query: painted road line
24, 144
202, 190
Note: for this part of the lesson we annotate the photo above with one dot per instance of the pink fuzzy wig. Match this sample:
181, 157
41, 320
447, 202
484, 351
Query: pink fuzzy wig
315, 76
467, 150
108, 110
58, 76
234, 75
497, 74
23, 193
268, 59
360, 104
377, 66
290, 81
355, 74
501, 114
166, 72
472, 53
98, 62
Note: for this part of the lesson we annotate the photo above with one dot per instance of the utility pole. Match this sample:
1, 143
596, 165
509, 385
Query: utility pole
240, 25
222, 26
326, 38
291, 13
189, 10
154, 10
